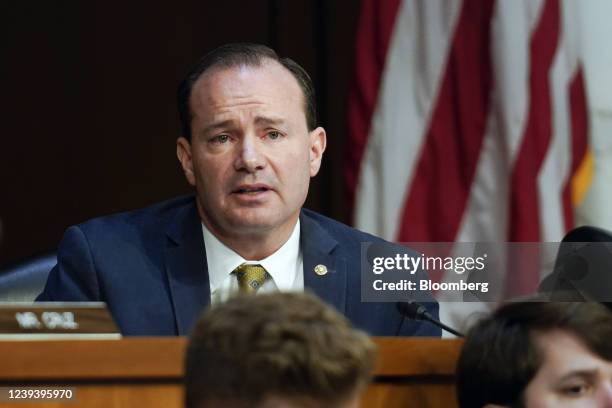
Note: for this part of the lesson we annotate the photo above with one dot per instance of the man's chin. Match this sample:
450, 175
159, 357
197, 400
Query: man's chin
256, 221
251, 225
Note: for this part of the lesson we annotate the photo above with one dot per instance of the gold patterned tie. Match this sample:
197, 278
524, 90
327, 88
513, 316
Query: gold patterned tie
250, 277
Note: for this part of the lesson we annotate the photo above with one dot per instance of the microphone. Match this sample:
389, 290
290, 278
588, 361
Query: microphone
417, 311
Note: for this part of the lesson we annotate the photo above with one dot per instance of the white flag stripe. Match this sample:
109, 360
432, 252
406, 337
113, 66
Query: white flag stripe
557, 164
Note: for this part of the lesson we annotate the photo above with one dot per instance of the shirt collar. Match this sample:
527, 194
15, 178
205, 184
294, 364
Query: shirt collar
281, 265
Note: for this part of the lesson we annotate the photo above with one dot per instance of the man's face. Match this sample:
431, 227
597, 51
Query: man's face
570, 376
251, 155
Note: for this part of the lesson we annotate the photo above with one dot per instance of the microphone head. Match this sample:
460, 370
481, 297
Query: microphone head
412, 310
417, 311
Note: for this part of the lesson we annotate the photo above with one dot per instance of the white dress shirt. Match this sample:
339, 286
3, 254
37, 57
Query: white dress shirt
285, 266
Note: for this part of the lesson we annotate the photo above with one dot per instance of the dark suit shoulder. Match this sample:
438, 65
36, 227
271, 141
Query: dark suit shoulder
342, 232
155, 216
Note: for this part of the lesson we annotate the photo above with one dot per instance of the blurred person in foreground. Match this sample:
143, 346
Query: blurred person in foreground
281, 350
249, 145
538, 355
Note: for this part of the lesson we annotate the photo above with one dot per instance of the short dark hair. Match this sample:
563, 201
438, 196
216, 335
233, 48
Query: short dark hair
500, 356
243, 54
286, 345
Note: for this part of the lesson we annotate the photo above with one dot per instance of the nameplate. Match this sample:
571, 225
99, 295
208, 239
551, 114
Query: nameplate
56, 320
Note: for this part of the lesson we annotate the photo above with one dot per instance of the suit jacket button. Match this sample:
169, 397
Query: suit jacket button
320, 270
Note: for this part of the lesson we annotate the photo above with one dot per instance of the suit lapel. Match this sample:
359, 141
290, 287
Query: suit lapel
187, 268
317, 246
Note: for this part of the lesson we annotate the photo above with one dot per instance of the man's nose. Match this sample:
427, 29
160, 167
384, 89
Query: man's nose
250, 157
606, 396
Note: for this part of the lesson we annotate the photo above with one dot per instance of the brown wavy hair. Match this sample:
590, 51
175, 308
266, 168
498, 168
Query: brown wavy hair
286, 345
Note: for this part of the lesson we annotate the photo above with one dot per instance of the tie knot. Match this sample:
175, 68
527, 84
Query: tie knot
250, 277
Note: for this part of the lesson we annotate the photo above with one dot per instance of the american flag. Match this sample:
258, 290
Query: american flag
468, 121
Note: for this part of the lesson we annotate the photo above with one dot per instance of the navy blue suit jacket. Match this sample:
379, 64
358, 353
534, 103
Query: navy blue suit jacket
150, 267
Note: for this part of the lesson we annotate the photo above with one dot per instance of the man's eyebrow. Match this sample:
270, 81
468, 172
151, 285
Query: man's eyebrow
264, 120
586, 373
259, 120
217, 125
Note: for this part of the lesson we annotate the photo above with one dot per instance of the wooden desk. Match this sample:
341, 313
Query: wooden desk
413, 373
147, 372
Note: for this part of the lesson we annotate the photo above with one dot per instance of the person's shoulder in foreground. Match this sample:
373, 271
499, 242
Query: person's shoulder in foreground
281, 350
538, 355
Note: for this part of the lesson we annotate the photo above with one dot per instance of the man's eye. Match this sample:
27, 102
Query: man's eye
220, 139
274, 135
575, 390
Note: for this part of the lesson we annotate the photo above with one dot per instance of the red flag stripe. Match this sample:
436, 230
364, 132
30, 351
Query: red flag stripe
373, 36
524, 205
443, 177
579, 129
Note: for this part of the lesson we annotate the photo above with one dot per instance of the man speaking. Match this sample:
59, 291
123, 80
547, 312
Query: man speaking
249, 146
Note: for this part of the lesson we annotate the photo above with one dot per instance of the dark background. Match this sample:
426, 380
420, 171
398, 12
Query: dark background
89, 118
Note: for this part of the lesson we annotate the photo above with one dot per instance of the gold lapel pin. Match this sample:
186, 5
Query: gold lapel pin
320, 270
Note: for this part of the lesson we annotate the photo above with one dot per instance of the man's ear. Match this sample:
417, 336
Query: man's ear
183, 152
318, 142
